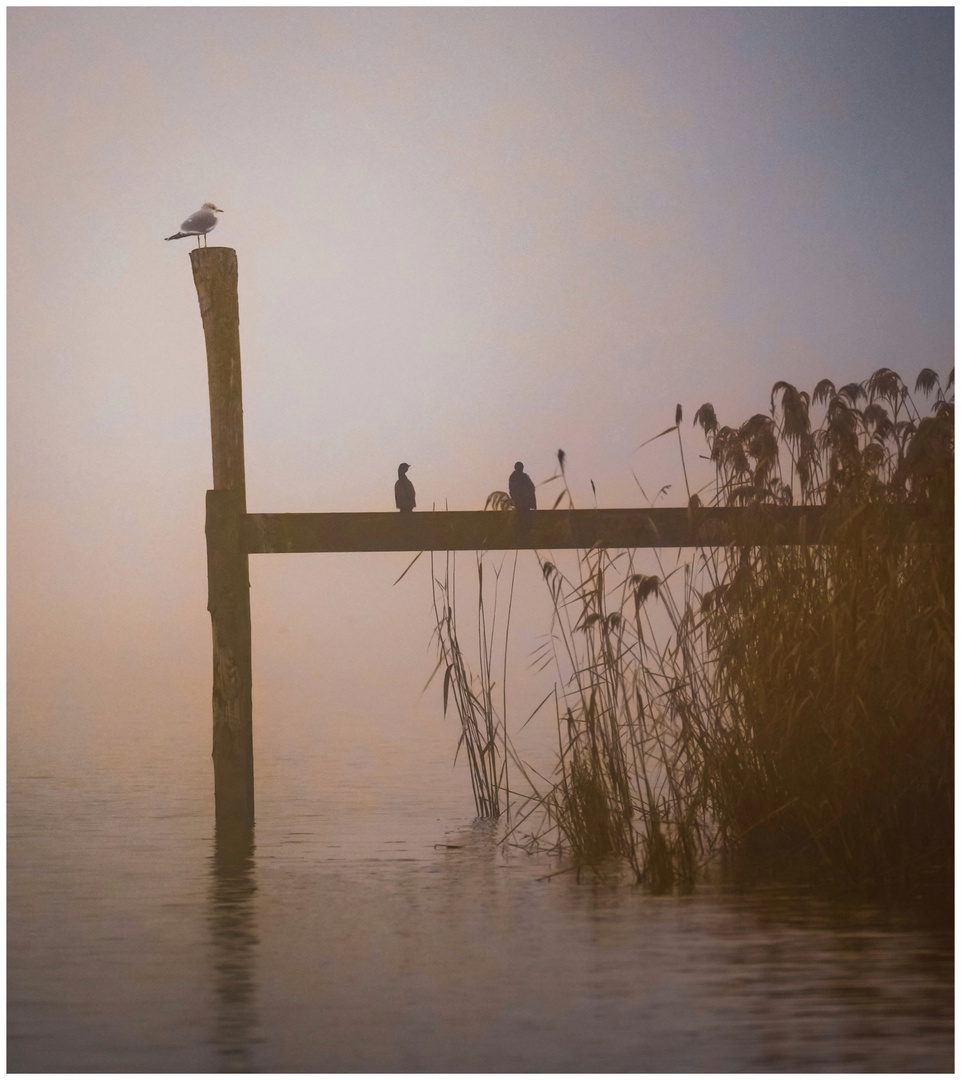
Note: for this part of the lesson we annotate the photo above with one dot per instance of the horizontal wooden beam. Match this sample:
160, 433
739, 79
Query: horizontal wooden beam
476, 530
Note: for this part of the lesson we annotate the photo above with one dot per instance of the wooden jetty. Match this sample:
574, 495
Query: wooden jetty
233, 534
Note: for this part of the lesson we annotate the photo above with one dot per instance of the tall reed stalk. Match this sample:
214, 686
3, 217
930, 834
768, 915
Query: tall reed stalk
788, 702
483, 728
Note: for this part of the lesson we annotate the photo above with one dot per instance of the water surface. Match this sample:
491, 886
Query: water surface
369, 923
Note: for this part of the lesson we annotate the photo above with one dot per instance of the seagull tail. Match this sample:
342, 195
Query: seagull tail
176, 236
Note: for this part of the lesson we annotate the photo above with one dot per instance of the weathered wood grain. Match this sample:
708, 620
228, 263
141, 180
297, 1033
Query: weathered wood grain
228, 585
228, 601
215, 276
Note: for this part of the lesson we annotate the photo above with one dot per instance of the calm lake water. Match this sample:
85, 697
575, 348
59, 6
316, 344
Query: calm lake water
370, 924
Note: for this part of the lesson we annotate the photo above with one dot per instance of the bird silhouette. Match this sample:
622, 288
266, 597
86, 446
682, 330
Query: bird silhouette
404, 490
198, 224
521, 488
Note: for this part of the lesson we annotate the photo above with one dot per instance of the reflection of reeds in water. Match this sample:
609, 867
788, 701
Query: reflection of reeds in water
234, 938
790, 701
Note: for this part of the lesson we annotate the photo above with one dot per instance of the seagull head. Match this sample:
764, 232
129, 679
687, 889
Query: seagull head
518, 466
210, 206
402, 468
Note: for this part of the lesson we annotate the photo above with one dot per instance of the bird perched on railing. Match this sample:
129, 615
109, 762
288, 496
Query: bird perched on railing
404, 490
521, 488
198, 224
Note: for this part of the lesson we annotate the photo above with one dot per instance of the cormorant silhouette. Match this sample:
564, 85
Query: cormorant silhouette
404, 490
521, 488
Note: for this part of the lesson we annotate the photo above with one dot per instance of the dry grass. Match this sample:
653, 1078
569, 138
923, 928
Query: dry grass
834, 663
472, 696
788, 702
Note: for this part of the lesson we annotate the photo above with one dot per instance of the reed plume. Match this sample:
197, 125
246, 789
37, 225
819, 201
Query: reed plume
792, 704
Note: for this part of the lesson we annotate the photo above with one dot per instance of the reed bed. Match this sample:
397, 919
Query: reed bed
791, 704
834, 664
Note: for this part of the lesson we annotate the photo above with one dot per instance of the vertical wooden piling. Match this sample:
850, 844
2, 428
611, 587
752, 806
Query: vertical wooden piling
228, 584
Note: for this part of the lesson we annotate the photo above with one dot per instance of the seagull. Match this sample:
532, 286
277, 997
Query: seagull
521, 488
198, 224
404, 490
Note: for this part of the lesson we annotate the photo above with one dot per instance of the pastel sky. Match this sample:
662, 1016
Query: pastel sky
466, 237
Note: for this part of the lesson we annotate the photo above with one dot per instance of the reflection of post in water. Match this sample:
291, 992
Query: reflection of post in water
234, 938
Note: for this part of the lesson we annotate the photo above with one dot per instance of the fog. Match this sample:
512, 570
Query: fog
465, 238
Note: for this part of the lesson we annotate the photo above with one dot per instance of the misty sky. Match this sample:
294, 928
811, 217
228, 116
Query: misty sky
465, 238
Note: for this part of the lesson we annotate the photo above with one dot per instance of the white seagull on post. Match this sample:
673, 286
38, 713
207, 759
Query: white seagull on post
198, 224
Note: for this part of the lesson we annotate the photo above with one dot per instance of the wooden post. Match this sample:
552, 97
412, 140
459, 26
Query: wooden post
228, 583
233, 534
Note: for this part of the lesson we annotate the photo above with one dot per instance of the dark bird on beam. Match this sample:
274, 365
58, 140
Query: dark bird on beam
404, 490
521, 488
198, 224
